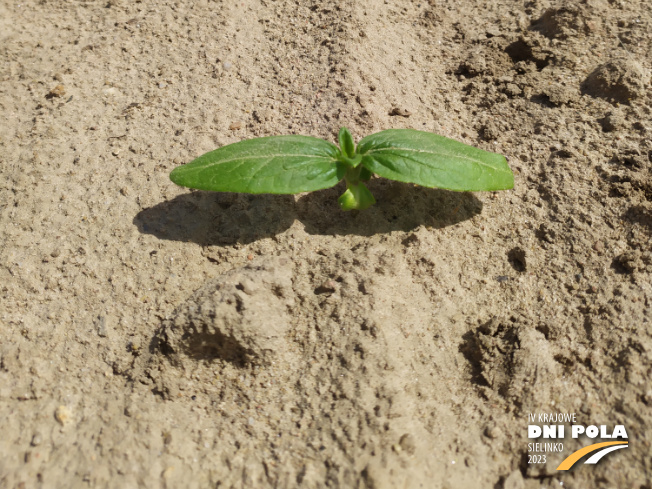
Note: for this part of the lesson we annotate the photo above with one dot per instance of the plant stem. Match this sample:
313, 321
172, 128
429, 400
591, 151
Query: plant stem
357, 195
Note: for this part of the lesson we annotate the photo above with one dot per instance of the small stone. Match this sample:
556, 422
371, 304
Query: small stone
235, 126
58, 91
400, 112
103, 324
407, 443
493, 31
329, 286
492, 432
227, 65
63, 415
37, 439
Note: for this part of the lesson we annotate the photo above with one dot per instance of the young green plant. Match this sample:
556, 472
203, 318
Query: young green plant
294, 164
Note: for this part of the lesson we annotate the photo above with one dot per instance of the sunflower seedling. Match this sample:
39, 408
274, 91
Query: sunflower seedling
294, 164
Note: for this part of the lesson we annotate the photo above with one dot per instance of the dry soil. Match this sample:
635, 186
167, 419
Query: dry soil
152, 336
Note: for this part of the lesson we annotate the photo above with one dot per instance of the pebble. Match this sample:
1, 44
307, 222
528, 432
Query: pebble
58, 91
227, 65
63, 415
110, 91
37, 439
492, 432
128, 410
235, 125
103, 324
407, 443
329, 286
400, 112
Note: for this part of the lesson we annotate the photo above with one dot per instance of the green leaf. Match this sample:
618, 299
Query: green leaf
274, 165
346, 143
431, 160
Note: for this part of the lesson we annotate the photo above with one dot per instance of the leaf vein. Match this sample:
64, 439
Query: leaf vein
379, 150
267, 156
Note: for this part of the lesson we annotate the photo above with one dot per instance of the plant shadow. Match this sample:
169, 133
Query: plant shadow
214, 218
399, 207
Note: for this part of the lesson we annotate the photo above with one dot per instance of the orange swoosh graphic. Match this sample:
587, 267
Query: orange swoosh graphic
575, 456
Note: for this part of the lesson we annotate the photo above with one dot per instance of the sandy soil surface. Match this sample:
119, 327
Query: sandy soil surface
154, 336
